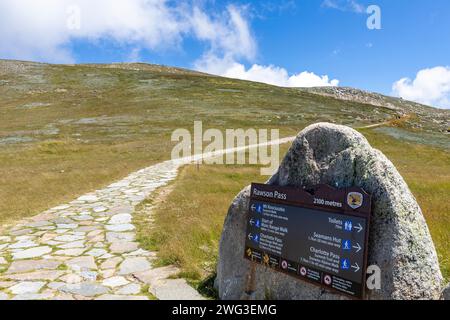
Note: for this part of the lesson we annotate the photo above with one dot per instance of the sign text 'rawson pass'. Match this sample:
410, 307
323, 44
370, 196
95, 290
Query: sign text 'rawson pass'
320, 237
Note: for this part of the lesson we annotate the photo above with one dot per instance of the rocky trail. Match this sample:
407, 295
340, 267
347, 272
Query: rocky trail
87, 249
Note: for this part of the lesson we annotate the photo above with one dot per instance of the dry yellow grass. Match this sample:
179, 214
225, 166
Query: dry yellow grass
49, 173
188, 222
67, 130
427, 172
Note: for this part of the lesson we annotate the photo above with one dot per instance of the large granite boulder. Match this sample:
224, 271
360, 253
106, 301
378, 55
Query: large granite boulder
399, 239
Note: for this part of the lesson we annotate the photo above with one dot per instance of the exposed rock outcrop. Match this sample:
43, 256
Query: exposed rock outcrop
399, 240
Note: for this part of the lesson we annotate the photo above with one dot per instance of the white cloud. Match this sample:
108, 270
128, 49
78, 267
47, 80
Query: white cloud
38, 30
232, 41
273, 75
44, 30
229, 34
134, 55
344, 5
431, 87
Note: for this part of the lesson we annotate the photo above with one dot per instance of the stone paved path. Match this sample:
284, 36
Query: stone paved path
86, 249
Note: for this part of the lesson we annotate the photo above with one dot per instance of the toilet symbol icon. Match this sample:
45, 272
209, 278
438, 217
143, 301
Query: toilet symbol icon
348, 226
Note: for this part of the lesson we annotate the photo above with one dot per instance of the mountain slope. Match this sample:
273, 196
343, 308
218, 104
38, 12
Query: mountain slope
68, 129
426, 117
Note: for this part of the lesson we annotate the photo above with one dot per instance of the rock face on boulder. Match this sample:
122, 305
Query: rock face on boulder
446, 293
399, 239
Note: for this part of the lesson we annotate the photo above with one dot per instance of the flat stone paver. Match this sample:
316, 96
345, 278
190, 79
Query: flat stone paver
49, 275
115, 282
120, 227
23, 244
22, 266
84, 249
122, 218
26, 287
111, 263
123, 247
132, 288
121, 297
33, 296
84, 262
133, 265
84, 289
31, 253
175, 289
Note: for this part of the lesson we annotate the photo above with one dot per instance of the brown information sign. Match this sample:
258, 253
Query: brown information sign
320, 237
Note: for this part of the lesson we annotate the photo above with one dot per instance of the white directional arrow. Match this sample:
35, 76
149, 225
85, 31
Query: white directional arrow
356, 267
252, 222
253, 207
250, 237
359, 227
357, 247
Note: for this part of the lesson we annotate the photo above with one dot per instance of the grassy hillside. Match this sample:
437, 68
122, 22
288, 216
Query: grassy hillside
68, 129
189, 237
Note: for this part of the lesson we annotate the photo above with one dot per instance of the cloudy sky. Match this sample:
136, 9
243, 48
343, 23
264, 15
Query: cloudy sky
399, 48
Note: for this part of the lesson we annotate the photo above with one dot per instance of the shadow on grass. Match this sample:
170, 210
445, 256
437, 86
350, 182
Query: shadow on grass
206, 287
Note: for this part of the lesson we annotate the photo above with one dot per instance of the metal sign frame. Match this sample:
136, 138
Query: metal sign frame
352, 202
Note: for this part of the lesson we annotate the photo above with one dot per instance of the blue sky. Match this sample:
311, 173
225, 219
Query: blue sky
286, 43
